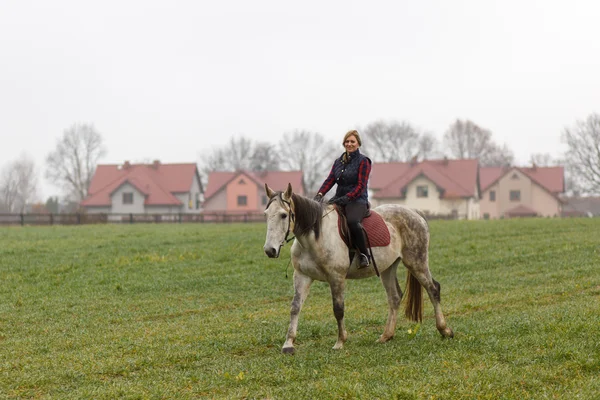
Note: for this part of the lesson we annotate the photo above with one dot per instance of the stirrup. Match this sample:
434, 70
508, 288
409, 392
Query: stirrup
363, 261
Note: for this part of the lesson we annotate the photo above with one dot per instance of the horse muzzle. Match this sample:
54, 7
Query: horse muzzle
271, 252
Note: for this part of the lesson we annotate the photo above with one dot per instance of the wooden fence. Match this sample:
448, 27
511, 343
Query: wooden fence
82, 218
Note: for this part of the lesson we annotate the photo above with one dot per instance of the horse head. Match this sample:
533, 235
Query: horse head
280, 220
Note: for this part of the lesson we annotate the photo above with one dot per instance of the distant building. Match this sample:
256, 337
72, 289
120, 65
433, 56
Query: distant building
436, 187
145, 188
521, 192
244, 191
581, 206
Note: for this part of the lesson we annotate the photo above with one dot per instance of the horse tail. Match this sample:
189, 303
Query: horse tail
413, 308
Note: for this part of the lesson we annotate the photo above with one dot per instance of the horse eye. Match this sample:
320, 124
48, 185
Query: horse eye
283, 216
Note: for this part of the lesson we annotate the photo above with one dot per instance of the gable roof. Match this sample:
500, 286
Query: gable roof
552, 179
158, 182
454, 178
277, 180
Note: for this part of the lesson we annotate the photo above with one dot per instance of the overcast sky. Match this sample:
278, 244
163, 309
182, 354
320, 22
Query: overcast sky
171, 80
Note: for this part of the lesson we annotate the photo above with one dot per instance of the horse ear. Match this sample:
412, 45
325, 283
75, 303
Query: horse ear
270, 192
289, 192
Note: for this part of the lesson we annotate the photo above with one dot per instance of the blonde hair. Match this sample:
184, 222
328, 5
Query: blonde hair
354, 133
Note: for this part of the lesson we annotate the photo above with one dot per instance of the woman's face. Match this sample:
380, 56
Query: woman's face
351, 144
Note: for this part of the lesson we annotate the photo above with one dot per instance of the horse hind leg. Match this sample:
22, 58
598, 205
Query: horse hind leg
389, 279
337, 295
301, 289
420, 276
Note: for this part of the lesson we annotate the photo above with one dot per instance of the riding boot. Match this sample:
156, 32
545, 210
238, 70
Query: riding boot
358, 238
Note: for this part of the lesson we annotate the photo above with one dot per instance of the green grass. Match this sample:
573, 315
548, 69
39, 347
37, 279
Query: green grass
198, 311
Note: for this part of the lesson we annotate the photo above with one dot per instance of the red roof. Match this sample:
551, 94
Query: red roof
521, 211
550, 178
277, 180
454, 178
158, 182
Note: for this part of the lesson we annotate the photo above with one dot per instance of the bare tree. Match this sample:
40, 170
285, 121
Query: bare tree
264, 157
18, 184
465, 139
310, 153
583, 155
72, 164
542, 160
387, 142
428, 147
241, 154
497, 156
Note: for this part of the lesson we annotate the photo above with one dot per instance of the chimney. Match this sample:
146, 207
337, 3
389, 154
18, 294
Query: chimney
533, 166
126, 165
445, 160
155, 164
413, 161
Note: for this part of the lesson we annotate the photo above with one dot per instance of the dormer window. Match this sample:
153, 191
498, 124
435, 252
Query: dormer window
514, 176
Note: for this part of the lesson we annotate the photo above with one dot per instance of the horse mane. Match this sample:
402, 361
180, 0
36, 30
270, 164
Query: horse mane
309, 215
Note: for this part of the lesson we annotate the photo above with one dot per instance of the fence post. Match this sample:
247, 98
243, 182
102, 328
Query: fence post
78, 219
131, 218
22, 219
179, 217
51, 219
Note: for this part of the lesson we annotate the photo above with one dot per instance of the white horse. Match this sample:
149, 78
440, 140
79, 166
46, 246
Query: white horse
319, 253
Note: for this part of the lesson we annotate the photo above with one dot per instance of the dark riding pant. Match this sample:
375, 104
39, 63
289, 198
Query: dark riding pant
355, 212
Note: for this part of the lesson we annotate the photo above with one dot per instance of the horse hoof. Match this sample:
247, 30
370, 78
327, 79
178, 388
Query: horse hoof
447, 333
383, 339
288, 350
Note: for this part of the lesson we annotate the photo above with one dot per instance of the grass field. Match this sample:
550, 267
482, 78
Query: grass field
198, 311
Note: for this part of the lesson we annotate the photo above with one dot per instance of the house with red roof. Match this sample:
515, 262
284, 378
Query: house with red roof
436, 187
145, 188
244, 191
521, 192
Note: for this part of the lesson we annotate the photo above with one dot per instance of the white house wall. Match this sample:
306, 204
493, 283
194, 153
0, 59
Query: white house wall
467, 208
216, 202
117, 200
97, 210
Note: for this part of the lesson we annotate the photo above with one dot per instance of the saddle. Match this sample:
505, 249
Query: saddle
376, 231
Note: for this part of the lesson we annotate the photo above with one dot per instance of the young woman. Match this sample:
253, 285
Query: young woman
351, 174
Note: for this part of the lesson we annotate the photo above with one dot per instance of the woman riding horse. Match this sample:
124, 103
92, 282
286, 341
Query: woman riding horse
351, 174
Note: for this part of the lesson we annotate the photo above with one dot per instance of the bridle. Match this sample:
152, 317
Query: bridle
291, 217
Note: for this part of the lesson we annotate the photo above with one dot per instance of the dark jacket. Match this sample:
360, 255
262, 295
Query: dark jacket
351, 177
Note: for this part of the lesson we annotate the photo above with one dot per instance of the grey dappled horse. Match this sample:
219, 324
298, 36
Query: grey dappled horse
319, 253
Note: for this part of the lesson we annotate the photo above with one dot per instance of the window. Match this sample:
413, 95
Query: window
421, 191
492, 195
128, 198
514, 176
241, 182
515, 195
242, 200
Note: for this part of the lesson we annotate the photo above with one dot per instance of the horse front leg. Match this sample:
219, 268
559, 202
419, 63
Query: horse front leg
337, 295
301, 289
